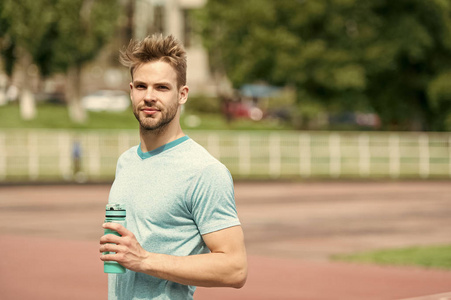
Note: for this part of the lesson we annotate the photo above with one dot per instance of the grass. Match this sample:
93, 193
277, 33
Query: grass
57, 116
426, 256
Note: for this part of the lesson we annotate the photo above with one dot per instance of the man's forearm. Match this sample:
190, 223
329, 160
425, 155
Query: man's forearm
208, 270
225, 266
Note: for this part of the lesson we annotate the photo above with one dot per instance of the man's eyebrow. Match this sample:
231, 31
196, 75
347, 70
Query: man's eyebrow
163, 83
138, 82
135, 82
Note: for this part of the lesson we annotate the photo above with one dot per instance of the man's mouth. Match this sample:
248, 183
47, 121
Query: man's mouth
150, 110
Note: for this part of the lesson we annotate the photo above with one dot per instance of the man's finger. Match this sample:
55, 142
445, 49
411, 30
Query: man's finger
116, 227
109, 248
110, 238
109, 257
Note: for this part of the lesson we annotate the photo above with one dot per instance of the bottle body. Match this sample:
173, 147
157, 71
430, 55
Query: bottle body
114, 213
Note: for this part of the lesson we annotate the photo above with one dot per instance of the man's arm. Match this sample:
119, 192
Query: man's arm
225, 266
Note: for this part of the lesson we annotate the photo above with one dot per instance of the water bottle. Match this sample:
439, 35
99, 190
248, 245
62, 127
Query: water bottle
114, 213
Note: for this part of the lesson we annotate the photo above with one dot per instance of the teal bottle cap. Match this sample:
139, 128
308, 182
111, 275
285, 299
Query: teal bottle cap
115, 210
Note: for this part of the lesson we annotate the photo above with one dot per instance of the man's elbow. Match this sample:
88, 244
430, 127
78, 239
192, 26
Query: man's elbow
239, 283
239, 278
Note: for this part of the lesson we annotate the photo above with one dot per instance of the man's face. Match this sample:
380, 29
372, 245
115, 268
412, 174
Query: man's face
155, 96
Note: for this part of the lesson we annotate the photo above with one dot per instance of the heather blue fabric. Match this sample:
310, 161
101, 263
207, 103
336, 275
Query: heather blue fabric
173, 195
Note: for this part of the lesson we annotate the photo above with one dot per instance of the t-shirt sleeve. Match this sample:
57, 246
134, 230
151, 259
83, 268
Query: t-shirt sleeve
213, 200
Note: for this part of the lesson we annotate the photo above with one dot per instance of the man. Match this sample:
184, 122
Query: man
182, 225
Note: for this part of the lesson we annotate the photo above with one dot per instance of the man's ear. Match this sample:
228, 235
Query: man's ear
131, 90
183, 94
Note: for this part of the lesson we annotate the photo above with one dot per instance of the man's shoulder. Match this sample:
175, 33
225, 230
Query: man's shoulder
199, 155
206, 166
130, 151
197, 149
129, 154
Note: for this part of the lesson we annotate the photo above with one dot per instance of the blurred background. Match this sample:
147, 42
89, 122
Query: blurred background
347, 95
278, 89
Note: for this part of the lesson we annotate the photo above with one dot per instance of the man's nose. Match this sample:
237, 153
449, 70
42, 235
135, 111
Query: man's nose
150, 95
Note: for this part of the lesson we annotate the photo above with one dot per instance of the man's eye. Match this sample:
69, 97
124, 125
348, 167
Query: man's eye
140, 86
163, 87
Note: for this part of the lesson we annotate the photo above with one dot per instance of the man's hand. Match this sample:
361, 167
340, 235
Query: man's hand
225, 265
129, 252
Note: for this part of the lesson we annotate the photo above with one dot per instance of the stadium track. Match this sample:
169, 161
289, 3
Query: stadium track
50, 234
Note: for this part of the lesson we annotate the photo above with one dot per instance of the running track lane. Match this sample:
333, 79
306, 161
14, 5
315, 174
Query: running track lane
46, 269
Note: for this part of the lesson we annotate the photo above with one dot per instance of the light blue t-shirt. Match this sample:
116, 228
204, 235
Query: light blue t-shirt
173, 195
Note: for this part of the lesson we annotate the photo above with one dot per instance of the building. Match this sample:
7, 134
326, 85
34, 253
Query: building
175, 17
105, 72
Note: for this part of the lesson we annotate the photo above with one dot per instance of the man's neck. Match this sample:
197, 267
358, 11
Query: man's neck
153, 139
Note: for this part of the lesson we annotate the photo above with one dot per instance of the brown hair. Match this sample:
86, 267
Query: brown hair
155, 48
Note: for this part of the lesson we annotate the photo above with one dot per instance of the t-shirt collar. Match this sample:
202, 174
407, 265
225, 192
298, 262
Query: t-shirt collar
162, 148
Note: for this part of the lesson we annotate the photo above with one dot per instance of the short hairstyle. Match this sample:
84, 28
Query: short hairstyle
156, 48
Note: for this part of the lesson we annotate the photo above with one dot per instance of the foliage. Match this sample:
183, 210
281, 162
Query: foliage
83, 28
59, 33
24, 24
202, 104
439, 95
353, 55
7, 43
431, 256
58, 36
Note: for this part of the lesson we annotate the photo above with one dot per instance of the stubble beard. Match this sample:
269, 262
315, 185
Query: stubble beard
147, 124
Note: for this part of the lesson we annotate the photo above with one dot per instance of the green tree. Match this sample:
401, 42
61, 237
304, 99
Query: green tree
7, 44
83, 27
59, 36
7, 49
27, 22
407, 55
346, 54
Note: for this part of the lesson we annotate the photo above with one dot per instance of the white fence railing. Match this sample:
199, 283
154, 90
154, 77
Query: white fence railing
48, 154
